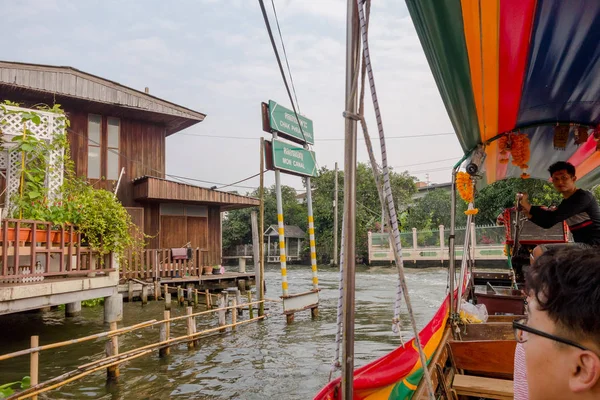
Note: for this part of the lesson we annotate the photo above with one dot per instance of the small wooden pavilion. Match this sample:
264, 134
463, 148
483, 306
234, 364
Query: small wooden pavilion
294, 239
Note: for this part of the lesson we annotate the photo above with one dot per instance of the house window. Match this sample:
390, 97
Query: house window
112, 149
103, 147
94, 146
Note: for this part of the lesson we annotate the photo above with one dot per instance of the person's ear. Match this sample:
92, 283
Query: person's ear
585, 373
574, 178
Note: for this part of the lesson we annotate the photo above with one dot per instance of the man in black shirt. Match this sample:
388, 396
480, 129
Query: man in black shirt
579, 208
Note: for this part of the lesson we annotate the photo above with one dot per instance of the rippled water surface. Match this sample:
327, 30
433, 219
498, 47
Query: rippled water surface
266, 360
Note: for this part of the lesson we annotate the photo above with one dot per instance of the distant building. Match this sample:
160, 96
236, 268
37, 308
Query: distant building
423, 188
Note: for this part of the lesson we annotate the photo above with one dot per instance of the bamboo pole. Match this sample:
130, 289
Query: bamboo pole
165, 332
33, 391
189, 294
112, 349
250, 310
196, 297
234, 313
170, 342
78, 340
34, 363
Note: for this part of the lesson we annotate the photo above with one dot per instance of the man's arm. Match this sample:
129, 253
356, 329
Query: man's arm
566, 209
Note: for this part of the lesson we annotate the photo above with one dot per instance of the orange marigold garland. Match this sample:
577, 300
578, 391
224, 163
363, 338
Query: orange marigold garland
518, 146
464, 185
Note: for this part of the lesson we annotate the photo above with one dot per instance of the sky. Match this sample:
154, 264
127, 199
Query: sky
214, 56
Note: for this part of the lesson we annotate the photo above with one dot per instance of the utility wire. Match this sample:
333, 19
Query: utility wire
285, 55
317, 139
177, 177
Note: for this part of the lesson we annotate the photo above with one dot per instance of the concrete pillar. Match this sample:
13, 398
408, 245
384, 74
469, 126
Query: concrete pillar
113, 308
73, 309
242, 265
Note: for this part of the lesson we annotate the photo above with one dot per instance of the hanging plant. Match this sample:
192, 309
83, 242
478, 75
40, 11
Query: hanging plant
561, 136
581, 135
464, 185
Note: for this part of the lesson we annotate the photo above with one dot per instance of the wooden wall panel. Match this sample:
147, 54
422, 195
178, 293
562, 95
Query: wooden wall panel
197, 232
173, 231
152, 225
214, 235
142, 149
137, 217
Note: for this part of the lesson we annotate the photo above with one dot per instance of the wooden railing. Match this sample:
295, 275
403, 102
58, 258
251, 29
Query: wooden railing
113, 357
149, 264
30, 251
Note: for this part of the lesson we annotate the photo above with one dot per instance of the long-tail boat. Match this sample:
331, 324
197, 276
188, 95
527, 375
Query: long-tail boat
516, 77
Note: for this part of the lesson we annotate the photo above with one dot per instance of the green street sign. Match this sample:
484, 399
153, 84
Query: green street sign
293, 159
283, 121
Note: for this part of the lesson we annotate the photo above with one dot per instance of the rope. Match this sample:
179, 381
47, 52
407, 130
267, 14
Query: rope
396, 328
391, 210
336, 364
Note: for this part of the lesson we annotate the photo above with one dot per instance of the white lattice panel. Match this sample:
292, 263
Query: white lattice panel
49, 128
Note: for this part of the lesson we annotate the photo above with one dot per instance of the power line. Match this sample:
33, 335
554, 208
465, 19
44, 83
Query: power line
317, 139
426, 162
177, 177
285, 55
287, 87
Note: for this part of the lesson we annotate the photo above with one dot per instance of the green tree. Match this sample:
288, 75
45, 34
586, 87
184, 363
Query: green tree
492, 199
368, 207
237, 227
433, 210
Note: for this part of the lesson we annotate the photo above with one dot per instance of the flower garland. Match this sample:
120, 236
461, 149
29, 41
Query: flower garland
464, 185
517, 144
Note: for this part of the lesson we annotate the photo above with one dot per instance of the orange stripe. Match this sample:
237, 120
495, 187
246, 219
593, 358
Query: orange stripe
481, 27
588, 165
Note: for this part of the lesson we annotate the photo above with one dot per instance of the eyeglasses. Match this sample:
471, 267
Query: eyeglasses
520, 328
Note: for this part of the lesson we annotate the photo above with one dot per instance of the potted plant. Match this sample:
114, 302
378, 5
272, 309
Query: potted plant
104, 224
207, 270
217, 270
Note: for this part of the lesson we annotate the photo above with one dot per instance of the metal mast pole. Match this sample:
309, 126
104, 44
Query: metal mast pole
335, 218
352, 54
261, 231
451, 239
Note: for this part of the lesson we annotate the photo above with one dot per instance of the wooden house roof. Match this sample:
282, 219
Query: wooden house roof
63, 84
148, 188
291, 231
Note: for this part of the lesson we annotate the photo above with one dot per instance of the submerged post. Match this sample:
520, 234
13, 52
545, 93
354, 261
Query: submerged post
349, 222
207, 297
221, 312
250, 309
34, 365
144, 294
112, 349
191, 325
167, 298
234, 313
165, 333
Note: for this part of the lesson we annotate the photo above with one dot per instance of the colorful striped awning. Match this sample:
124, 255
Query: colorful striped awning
517, 66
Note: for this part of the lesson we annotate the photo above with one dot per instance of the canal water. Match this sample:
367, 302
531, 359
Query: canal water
265, 360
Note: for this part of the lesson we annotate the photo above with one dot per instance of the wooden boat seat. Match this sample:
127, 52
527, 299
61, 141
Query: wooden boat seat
494, 358
489, 388
488, 331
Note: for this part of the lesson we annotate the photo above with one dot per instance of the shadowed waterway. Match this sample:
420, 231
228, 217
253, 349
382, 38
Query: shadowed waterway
266, 360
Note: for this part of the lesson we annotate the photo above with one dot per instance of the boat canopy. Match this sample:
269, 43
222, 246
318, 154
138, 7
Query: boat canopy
508, 66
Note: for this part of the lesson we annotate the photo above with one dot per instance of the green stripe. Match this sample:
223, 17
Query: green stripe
590, 180
439, 25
